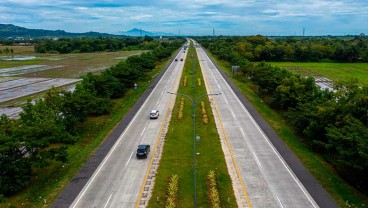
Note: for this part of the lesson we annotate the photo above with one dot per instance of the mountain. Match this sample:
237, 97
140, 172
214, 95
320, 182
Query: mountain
137, 32
140, 32
12, 31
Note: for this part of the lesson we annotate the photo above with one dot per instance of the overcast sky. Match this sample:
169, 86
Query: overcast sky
194, 17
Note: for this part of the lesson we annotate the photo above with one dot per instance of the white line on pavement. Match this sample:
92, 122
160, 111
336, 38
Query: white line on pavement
278, 199
258, 163
143, 131
126, 164
107, 201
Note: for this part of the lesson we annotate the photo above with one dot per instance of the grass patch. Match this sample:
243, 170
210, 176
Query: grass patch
333, 71
49, 182
339, 190
177, 156
18, 49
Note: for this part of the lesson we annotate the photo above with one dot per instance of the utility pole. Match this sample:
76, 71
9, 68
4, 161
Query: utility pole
213, 32
140, 31
179, 32
303, 31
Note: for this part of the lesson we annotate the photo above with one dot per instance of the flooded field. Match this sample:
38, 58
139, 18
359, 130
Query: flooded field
5, 79
11, 112
14, 71
22, 87
17, 58
26, 74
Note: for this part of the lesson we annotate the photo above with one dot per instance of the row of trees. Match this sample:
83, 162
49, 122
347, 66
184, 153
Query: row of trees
47, 127
259, 48
332, 123
88, 45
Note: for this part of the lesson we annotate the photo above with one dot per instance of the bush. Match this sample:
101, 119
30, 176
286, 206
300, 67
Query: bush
213, 195
172, 191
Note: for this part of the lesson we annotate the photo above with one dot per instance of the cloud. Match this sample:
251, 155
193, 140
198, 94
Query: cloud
241, 17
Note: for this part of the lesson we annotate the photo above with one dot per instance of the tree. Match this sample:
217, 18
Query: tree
348, 149
15, 168
294, 90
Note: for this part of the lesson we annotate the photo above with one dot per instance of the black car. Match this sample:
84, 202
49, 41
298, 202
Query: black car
181, 59
143, 150
176, 59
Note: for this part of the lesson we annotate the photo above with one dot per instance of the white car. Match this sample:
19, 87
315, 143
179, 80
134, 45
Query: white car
154, 114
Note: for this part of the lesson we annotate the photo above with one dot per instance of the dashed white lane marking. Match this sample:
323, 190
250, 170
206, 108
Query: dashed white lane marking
107, 201
279, 202
258, 163
143, 131
126, 164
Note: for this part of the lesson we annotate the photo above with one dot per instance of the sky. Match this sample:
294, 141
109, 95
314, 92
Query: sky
191, 17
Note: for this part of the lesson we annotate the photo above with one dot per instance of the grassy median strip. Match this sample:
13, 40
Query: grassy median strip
178, 155
343, 194
52, 180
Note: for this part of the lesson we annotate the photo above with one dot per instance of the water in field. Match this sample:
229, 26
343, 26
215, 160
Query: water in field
13, 71
17, 58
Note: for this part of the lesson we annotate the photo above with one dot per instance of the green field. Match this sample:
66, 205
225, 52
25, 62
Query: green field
177, 157
333, 71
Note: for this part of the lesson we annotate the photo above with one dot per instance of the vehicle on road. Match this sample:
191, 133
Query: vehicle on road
181, 59
176, 59
143, 150
154, 114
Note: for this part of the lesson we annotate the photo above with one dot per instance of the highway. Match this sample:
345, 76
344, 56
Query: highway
264, 177
261, 177
118, 180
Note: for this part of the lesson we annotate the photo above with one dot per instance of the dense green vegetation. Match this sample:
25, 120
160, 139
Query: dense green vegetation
177, 156
259, 48
87, 45
332, 123
48, 127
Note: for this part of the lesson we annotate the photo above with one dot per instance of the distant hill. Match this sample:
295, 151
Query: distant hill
139, 32
12, 31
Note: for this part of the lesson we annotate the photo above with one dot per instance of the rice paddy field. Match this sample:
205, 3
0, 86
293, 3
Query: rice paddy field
63, 65
332, 71
25, 74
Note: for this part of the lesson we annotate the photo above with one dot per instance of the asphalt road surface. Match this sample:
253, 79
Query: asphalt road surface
118, 179
268, 180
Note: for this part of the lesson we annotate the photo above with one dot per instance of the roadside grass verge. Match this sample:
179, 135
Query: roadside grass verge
178, 158
48, 183
343, 194
333, 71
